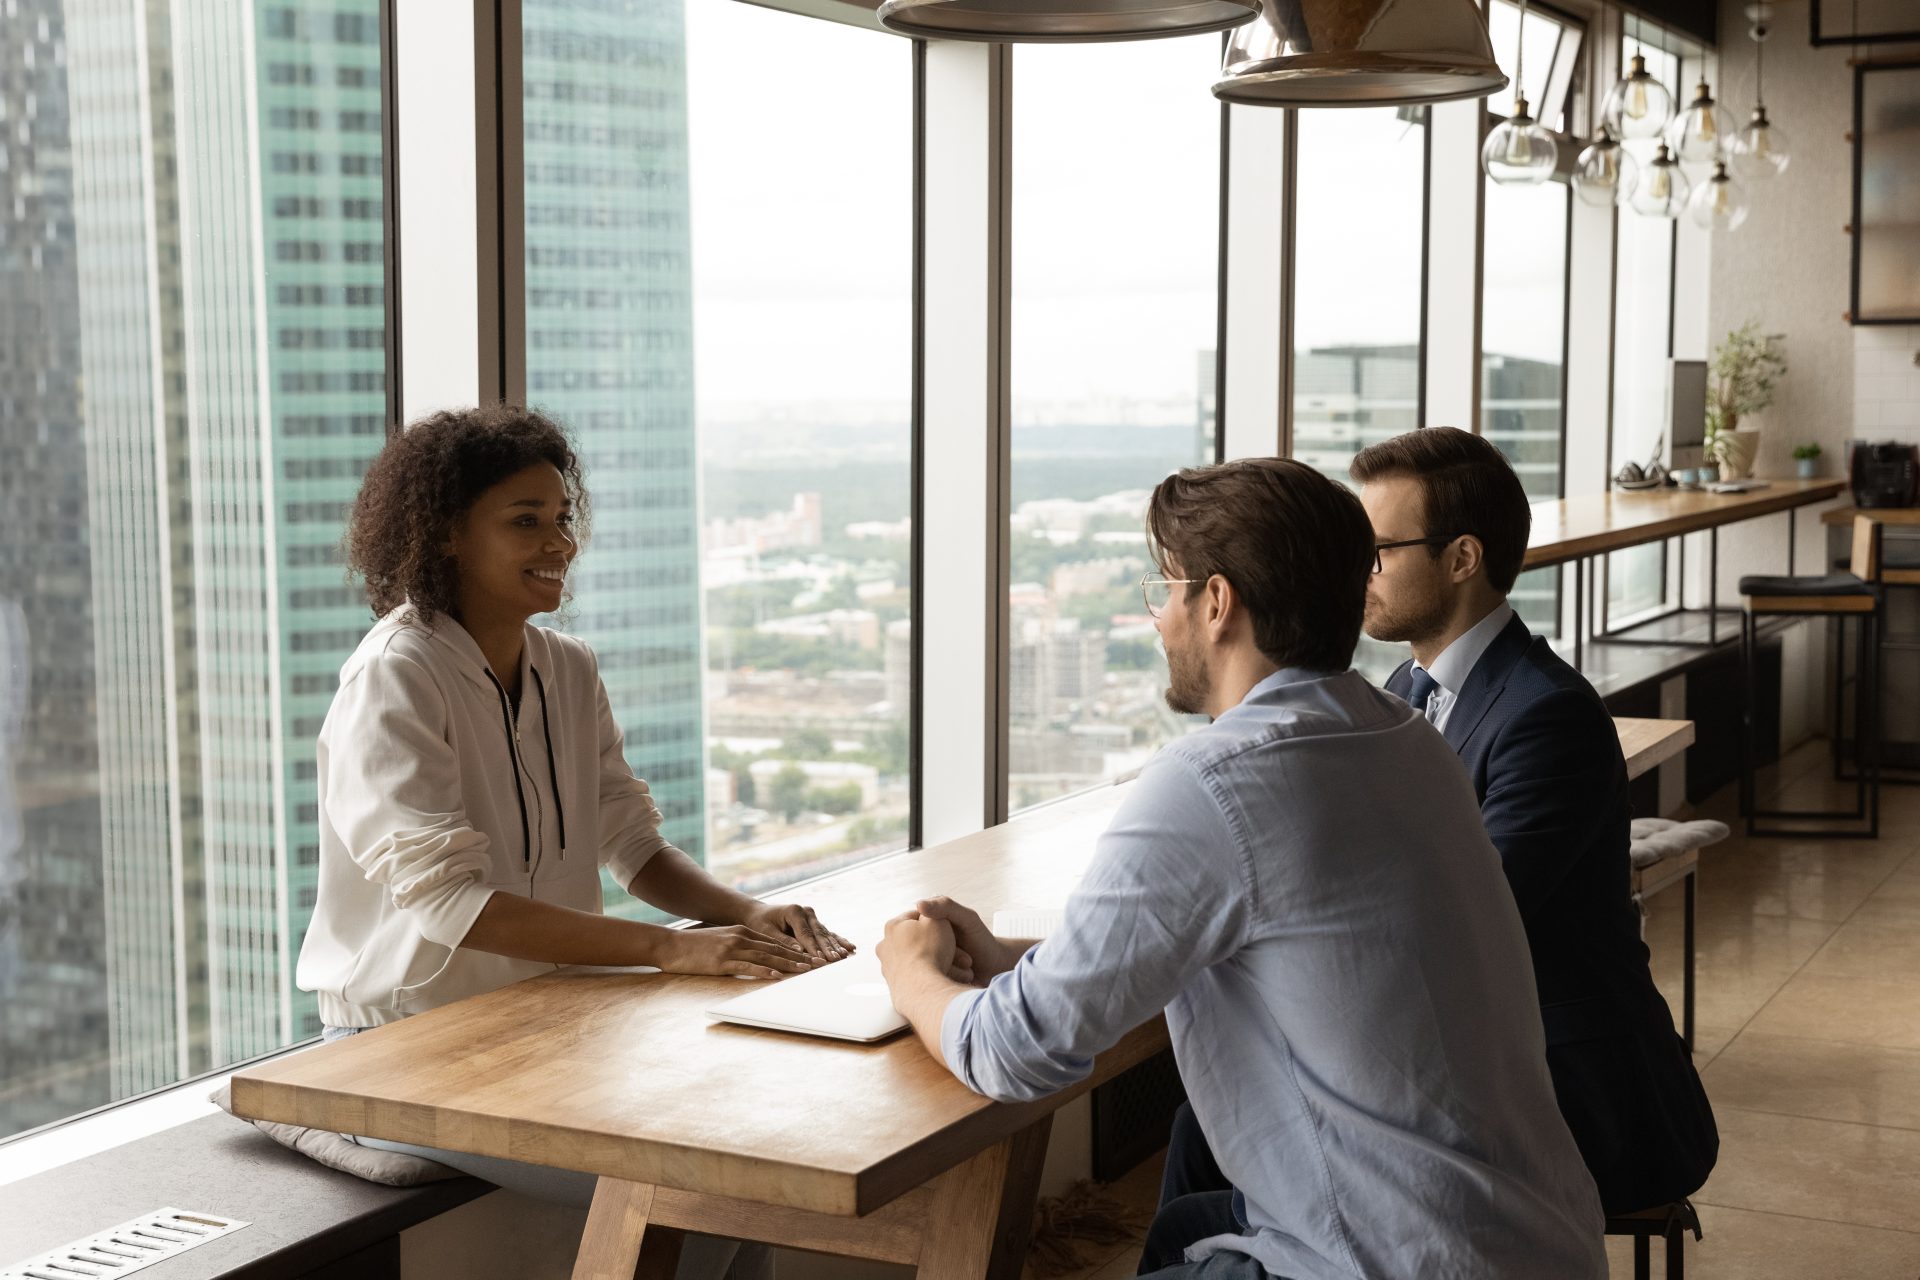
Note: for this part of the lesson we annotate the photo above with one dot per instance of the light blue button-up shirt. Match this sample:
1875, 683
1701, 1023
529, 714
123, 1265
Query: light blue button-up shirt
1305, 888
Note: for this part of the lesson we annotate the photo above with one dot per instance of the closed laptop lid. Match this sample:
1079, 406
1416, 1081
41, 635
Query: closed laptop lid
846, 1000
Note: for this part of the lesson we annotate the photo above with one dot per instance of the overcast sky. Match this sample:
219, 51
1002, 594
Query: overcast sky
801, 160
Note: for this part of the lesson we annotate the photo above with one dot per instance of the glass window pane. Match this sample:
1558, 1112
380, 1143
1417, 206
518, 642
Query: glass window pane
1522, 340
719, 307
1642, 326
1356, 314
192, 268
1544, 35
1114, 286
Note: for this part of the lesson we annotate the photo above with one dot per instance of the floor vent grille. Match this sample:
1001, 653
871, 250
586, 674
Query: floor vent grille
129, 1247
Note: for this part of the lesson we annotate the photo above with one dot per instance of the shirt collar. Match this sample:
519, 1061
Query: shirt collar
1457, 661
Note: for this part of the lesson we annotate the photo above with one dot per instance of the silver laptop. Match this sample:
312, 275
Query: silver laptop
846, 1000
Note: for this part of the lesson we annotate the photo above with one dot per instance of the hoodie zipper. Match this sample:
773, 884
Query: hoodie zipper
511, 722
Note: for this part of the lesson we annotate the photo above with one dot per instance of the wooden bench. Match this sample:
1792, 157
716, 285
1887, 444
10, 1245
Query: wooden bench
304, 1220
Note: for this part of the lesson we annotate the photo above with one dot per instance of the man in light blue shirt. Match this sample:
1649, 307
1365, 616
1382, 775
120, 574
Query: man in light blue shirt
1305, 888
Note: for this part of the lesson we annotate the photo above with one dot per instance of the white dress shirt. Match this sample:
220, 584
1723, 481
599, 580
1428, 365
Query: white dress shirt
1457, 661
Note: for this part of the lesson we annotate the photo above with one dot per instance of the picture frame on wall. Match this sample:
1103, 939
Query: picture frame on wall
1864, 21
1886, 193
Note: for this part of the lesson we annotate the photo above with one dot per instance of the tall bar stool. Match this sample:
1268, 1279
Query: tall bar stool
1841, 596
1895, 572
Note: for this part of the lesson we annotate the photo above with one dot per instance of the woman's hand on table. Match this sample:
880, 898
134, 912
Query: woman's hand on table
799, 925
730, 949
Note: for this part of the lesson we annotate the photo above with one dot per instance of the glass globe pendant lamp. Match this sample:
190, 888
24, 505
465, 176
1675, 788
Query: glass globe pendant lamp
1605, 171
1695, 133
1662, 190
1518, 152
1760, 149
1719, 203
1639, 106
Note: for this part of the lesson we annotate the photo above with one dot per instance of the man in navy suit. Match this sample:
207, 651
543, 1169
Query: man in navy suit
1450, 523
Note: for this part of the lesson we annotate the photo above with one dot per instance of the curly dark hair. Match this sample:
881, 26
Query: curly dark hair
423, 483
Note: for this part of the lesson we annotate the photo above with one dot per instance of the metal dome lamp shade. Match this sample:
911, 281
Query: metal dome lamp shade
1360, 53
1605, 172
1062, 21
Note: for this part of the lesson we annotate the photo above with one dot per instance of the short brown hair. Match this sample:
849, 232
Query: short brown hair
1296, 546
425, 480
1468, 487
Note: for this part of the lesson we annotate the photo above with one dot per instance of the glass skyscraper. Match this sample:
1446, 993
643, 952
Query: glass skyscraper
610, 354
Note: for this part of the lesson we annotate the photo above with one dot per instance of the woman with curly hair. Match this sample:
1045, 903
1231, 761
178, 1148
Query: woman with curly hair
471, 777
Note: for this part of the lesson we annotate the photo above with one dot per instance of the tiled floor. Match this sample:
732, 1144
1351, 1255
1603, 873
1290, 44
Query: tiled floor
1808, 1040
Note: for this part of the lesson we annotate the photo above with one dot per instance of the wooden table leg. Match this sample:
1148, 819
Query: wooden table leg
983, 1210
617, 1244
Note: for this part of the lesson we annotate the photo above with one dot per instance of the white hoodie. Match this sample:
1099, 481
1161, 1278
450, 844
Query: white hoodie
425, 813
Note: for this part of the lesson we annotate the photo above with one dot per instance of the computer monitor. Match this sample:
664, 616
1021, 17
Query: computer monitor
1686, 412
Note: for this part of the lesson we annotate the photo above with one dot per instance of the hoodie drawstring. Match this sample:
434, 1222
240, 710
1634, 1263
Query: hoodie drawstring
553, 774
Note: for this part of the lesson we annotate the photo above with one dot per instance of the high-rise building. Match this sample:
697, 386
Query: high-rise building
610, 354
201, 323
53, 1038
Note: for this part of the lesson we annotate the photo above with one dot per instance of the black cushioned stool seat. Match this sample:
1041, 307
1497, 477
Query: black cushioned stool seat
1827, 584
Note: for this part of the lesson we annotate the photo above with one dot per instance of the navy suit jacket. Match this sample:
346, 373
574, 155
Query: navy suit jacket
1546, 764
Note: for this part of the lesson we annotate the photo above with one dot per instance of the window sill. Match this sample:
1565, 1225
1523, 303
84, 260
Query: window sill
113, 1125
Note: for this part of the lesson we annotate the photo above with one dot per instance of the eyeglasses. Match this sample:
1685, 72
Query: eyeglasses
1157, 592
1436, 541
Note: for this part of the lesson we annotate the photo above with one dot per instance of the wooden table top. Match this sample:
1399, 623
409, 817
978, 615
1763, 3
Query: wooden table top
1649, 743
1885, 515
619, 1072
1572, 528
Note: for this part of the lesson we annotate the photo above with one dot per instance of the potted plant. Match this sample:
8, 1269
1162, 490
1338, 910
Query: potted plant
1745, 369
1806, 458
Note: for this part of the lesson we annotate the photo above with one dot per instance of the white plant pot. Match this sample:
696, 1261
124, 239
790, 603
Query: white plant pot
1738, 451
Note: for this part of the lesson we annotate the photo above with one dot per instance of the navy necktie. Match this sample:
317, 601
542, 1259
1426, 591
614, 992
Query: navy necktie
1421, 689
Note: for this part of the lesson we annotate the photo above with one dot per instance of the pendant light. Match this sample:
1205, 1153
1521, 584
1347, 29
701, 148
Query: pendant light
1662, 189
1518, 152
1639, 106
1605, 171
1695, 132
1719, 203
1062, 21
1320, 53
1760, 149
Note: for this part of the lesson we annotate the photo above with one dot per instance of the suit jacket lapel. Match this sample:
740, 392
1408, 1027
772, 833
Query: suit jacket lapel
1401, 681
1485, 681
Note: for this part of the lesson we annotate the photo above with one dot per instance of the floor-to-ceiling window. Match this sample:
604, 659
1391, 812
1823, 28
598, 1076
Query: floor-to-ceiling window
1116, 184
1357, 259
193, 302
719, 307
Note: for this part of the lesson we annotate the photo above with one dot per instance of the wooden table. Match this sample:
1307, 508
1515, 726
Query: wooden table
1576, 530
1647, 744
871, 1151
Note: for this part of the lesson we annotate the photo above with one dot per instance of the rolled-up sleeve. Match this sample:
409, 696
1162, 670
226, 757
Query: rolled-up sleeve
1168, 895
629, 819
394, 797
